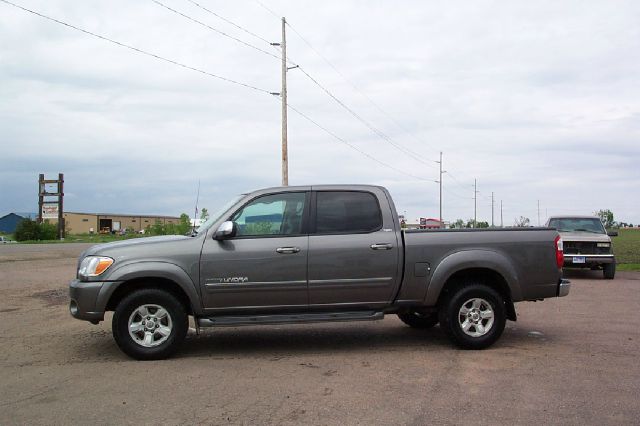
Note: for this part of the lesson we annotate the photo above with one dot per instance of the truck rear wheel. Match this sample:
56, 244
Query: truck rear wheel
149, 324
473, 316
609, 271
418, 319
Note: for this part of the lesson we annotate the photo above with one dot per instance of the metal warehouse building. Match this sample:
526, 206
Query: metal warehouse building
85, 223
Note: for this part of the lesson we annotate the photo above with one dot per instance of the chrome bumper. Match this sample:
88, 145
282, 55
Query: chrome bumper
563, 287
589, 259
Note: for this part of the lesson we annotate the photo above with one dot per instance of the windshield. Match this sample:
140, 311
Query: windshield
213, 218
593, 226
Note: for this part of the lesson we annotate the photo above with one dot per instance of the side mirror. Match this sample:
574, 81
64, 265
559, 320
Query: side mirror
228, 229
612, 233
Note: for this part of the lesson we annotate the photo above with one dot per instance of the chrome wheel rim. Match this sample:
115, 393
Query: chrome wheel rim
476, 317
150, 325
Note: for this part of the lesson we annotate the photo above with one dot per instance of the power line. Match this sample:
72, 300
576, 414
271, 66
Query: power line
363, 121
215, 29
356, 88
460, 184
352, 146
267, 9
171, 61
406, 151
455, 194
135, 49
251, 33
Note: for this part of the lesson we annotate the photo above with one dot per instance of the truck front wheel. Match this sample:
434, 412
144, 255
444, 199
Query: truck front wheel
149, 324
418, 319
609, 271
473, 316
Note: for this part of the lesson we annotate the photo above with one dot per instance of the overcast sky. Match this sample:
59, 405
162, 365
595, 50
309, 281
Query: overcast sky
536, 100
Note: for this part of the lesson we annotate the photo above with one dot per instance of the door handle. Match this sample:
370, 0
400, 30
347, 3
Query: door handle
288, 250
381, 246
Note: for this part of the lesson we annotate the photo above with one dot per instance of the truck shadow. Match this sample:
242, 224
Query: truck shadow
586, 274
292, 340
305, 339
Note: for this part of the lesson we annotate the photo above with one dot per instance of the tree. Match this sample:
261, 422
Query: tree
204, 214
181, 228
459, 223
522, 222
26, 230
47, 231
606, 217
30, 230
475, 224
257, 228
184, 226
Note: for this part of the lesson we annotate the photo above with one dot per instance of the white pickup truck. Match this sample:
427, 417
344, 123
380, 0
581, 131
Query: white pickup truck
586, 243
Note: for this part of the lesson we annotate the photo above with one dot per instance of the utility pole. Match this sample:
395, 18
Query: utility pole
440, 182
538, 212
283, 95
501, 223
285, 155
492, 209
475, 201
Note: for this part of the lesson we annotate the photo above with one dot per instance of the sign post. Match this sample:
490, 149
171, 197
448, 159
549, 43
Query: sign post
50, 204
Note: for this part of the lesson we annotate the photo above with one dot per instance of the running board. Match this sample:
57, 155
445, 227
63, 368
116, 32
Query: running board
236, 320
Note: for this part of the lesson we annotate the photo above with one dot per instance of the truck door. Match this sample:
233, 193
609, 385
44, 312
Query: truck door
353, 253
265, 265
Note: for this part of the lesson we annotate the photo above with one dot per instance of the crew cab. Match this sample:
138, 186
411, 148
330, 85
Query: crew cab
306, 254
586, 243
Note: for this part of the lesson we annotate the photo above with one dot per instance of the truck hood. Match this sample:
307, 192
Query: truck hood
585, 236
134, 242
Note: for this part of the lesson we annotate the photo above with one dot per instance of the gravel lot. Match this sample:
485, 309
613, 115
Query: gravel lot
572, 360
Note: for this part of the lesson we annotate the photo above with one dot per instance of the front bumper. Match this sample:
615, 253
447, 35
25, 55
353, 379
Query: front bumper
88, 299
589, 260
564, 286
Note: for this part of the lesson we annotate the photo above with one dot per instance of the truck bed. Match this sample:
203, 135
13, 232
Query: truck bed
525, 257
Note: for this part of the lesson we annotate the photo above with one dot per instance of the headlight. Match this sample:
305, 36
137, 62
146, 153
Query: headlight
604, 244
92, 266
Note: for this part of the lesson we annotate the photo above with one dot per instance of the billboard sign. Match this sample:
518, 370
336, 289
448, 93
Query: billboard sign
50, 211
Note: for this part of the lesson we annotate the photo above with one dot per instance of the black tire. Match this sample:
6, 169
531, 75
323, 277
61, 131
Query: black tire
609, 271
417, 319
176, 320
450, 316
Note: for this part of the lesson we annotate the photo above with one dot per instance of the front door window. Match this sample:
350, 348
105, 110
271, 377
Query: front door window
271, 215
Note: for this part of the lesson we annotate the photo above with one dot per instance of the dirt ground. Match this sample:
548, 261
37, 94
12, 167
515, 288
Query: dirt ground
571, 360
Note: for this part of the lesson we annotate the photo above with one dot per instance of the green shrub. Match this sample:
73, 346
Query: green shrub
47, 231
29, 230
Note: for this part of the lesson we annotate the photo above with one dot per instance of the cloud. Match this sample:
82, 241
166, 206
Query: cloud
537, 101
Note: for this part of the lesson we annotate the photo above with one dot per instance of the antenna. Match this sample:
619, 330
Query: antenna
195, 215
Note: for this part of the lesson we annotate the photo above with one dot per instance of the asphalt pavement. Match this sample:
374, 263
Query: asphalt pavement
571, 360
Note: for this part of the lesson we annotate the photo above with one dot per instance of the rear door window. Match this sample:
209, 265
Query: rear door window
347, 212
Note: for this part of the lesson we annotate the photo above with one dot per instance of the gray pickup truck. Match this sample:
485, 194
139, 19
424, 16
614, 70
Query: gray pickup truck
309, 254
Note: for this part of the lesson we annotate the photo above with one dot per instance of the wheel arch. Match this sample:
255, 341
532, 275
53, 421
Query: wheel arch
165, 284
482, 266
160, 275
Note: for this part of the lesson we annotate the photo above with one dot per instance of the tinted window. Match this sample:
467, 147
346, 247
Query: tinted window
347, 212
279, 214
